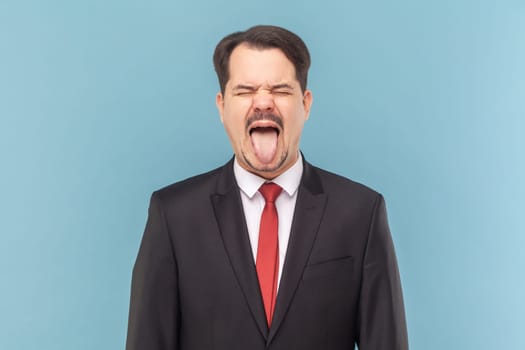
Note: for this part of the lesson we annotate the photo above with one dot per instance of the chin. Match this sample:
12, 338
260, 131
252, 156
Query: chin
265, 169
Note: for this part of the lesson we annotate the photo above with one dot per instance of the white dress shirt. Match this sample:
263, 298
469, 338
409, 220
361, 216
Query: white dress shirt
253, 204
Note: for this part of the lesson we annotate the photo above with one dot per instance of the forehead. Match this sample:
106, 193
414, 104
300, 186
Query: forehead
251, 65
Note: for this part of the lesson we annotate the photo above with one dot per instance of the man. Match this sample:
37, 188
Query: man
268, 251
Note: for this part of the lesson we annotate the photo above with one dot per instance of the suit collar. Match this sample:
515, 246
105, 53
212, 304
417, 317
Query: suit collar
310, 180
309, 211
232, 226
226, 179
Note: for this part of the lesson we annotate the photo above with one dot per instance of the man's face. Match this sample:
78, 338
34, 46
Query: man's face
263, 110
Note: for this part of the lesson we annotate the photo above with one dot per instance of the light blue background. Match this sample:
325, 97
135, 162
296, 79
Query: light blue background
102, 102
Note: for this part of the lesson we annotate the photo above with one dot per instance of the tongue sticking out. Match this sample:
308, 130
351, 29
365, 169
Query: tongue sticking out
264, 142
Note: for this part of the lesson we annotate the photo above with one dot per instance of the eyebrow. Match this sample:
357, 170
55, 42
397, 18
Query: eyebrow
244, 87
282, 86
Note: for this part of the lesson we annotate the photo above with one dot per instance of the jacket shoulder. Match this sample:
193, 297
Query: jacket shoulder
341, 186
192, 187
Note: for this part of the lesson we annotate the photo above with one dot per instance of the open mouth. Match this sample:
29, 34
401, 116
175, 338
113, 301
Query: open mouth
264, 130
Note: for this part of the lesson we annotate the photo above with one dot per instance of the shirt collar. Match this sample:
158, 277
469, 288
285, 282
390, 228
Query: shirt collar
250, 183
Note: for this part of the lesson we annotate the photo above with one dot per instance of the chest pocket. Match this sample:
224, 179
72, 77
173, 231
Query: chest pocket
340, 266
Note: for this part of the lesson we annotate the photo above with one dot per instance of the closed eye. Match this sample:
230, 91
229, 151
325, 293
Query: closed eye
244, 90
243, 93
282, 92
282, 89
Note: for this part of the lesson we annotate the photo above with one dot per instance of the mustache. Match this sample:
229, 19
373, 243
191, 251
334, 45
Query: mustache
257, 116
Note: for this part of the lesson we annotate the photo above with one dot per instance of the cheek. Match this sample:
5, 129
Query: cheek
237, 106
235, 115
296, 127
234, 128
291, 107
296, 116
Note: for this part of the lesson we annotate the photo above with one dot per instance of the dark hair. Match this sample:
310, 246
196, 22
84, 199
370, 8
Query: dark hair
263, 37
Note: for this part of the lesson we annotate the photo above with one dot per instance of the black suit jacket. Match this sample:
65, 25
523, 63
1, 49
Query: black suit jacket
195, 284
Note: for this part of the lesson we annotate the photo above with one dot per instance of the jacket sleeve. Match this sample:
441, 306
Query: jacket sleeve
381, 315
153, 316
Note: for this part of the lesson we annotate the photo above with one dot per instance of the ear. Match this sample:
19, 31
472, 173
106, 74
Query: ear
219, 102
307, 103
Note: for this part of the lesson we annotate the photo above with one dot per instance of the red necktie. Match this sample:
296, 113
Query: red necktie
267, 262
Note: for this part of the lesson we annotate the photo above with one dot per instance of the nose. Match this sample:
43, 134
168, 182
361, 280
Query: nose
263, 102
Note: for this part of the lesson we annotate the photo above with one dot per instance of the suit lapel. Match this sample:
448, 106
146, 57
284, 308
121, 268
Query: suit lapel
309, 210
232, 225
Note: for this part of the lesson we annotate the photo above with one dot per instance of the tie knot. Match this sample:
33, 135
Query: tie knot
270, 191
